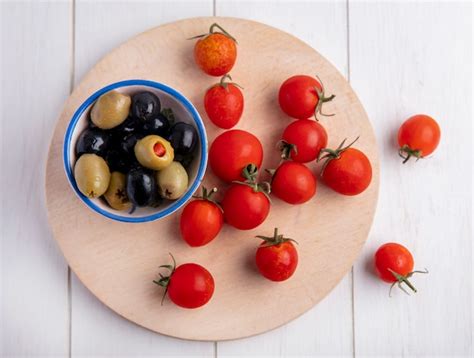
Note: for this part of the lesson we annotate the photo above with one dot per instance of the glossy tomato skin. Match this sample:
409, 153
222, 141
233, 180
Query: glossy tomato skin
298, 97
201, 221
232, 151
350, 174
308, 136
215, 54
395, 257
245, 209
420, 132
190, 286
224, 106
294, 183
277, 262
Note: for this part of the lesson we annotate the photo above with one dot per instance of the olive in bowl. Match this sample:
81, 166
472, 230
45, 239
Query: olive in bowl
132, 150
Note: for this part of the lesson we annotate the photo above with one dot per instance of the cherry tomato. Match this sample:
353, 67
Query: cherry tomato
201, 220
303, 139
215, 53
224, 103
276, 257
394, 264
418, 136
189, 285
232, 151
302, 96
246, 204
293, 182
347, 170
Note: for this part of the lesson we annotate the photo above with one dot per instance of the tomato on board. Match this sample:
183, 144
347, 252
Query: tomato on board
302, 97
224, 103
246, 204
418, 137
346, 170
189, 285
293, 182
232, 151
201, 220
276, 257
215, 52
394, 264
302, 140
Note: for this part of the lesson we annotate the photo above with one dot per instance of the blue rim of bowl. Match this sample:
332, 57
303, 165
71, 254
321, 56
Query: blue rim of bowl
176, 204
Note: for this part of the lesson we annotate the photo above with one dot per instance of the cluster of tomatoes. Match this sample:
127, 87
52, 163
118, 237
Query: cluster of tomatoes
235, 157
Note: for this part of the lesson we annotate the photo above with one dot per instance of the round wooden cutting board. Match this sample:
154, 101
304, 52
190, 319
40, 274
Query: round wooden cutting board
118, 261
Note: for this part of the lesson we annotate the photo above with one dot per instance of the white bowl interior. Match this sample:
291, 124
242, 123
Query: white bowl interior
181, 115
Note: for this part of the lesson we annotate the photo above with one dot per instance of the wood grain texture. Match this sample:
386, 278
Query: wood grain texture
119, 269
35, 82
326, 329
403, 63
100, 27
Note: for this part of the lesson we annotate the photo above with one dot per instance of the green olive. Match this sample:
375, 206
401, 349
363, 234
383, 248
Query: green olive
116, 194
154, 152
110, 110
172, 181
92, 175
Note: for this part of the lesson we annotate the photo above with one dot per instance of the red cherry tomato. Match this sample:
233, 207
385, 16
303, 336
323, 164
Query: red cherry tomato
302, 96
215, 53
224, 103
245, 208
418, 136
303, 140
347, 170
276, 257
294, 183
246, 204
394, 264
232, 151
189, 285
201, 220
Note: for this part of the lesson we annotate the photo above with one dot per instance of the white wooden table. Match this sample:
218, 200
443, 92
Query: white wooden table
401, 58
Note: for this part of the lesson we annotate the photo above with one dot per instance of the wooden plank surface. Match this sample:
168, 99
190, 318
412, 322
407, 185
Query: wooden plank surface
35, 82
424, 206
100, 27
408, 58
327, 328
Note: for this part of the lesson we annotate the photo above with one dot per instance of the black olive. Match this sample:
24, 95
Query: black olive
145, 105
141, 187
127, 143
158, 125
119, 161
93, 140
185, 160
130, 125
156, 200
183, 138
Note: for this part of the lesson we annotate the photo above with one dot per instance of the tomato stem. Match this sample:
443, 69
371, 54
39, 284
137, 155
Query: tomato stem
330, 154
285, 148
276, 239
322, 99
225, 84
211, 31
403, 279
165, 280
250, 173
406, 153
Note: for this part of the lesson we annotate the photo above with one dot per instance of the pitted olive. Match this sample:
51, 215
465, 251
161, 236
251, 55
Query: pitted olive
172, 181
110, 110
154, 152
92, 175
116, 194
